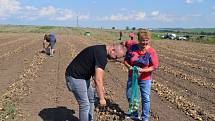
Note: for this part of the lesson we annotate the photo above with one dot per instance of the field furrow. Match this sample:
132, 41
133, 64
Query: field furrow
7, 37
13, 41
16, 50
32, 84
189, 47
18, 89
199, 80
195, 68
12, 66
187, 106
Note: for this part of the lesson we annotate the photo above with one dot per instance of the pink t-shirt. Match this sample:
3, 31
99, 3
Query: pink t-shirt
153, 61
128, 43
143, 60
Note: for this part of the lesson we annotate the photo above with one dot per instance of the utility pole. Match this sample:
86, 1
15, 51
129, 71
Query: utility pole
77, 22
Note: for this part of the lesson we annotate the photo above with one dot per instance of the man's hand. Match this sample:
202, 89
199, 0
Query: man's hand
102, 102
99, 74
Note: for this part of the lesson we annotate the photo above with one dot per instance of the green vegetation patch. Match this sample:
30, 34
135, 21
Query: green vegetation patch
211, 40
200, 35
155, 36
43, 29
26, 29
8, 110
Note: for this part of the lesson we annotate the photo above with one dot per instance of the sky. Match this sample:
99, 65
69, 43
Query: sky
110, 13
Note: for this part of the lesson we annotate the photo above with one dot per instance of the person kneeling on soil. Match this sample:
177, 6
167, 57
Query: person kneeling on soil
51, 40
90, 62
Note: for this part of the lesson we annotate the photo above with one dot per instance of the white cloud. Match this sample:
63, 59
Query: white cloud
46, 11
50, 13
8, 8
58, 14
24, 17
126, 16
189, 1
164, 18
30, 8
140, 16
84, 17
118, 17
193, 1
28, 13
13, 8
64, 15
155, 16
155, 13
143, 16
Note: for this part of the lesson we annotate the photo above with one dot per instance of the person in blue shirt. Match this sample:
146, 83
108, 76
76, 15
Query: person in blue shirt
51, 39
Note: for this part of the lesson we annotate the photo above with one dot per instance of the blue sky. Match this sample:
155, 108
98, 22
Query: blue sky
109, 13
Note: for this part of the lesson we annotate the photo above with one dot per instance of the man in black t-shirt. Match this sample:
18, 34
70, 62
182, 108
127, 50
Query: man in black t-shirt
90, 62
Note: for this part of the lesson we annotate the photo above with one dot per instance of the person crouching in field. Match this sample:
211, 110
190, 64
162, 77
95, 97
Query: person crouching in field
90, 62
143, 56
51, 40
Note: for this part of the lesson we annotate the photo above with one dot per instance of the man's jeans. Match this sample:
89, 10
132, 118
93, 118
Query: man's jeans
85, 96
145, 90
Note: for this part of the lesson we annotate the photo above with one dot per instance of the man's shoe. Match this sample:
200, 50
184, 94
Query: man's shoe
43, 51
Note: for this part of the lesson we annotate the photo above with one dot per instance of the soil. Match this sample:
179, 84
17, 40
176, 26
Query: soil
183, 85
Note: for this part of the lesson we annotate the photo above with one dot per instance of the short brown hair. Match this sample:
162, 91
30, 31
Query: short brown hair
143, 34
45, 37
